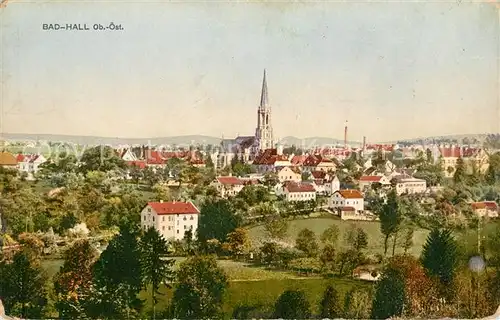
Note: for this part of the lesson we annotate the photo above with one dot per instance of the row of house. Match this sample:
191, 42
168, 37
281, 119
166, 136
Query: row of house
29, 164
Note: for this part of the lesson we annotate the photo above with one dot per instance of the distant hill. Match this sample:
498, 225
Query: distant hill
95, 140
175, 140
206, 140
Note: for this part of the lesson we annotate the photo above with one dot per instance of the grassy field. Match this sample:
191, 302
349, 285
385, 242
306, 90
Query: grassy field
263, 293
236, 271
252, 286
318, 225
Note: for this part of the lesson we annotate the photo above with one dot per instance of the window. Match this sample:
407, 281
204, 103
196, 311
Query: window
153, 219
169, 228
184, 219
163, 228
162, 218
192, 218
178, 222
177, 231
149, 209
185, 227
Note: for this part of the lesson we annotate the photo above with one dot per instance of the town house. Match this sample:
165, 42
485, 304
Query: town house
367, 181
347, 198
171, 219
290, 174
409, 185
293, 191
228, 186
485, 209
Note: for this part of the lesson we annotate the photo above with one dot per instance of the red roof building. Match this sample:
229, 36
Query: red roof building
174, 207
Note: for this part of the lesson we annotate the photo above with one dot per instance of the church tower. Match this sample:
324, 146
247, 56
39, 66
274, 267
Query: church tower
264, 131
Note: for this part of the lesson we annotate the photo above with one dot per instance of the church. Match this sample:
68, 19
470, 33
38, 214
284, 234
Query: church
248, 147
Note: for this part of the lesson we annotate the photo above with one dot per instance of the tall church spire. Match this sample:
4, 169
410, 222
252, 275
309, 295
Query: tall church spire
264, 99
264, 130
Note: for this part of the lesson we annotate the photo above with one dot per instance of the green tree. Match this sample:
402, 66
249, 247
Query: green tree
408, 239
357, 239
118, 278
162, 192
239, 242
327, 257
216, 221
200, 288
330, 235
292, 304
330, 304
307, 243
460, 171
440, 257
100, 158
390, 220
73, 282
155, 269
389, 296
22, 286
276, 228
357, 304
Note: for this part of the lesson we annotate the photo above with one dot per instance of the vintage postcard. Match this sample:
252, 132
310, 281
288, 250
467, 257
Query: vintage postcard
249, 159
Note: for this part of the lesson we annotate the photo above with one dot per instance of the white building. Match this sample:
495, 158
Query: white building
347, 198
409, 185
297, 191
30, 163
171, 219
290, 174
485, 209
228, 186
325, 183
367, 181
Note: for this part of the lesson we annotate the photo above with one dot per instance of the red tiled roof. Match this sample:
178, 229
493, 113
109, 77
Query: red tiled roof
370, 178
175, 207
229, 180
20, 157
350, 194
299, 187
269, 157
318, 174
298, 160
139, 163
491, 205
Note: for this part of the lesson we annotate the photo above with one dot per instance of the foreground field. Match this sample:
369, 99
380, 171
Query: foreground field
252, 286
236, 271
318, 225
263, 293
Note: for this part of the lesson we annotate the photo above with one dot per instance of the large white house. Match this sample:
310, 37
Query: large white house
293, 191
409, 185
347, 198
171, 219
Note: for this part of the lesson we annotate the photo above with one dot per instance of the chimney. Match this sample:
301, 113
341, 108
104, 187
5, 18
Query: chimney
345, 135
364, 143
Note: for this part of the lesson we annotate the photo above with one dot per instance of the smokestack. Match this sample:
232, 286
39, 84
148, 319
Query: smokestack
364, 143
345, 135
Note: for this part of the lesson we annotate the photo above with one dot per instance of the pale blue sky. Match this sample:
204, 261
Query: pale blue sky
393, 70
